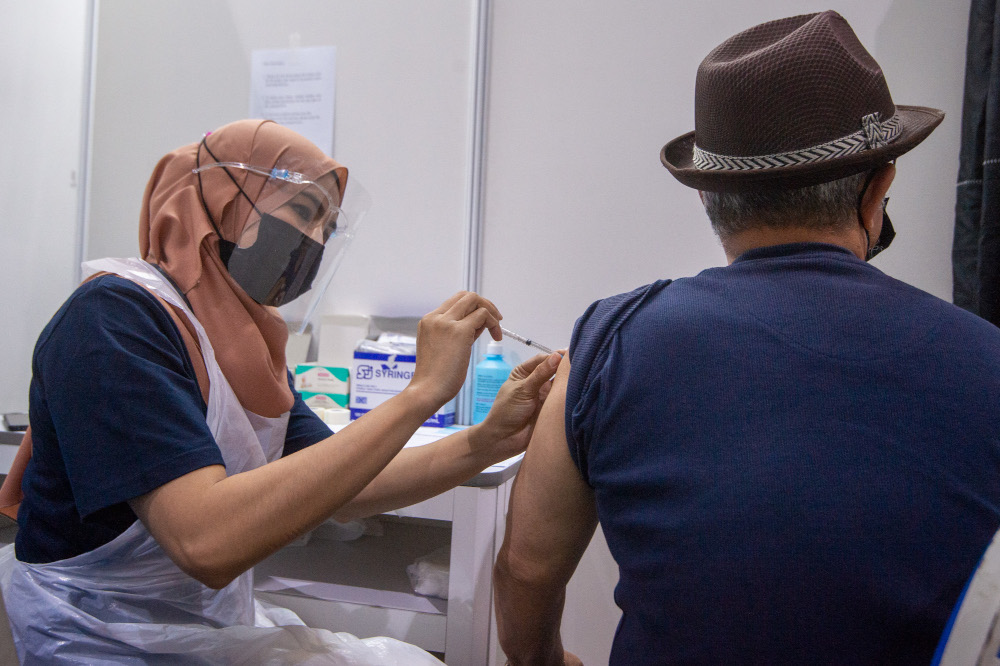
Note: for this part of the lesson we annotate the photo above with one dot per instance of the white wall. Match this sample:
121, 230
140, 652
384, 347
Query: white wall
168, 71
44, 50
584, 93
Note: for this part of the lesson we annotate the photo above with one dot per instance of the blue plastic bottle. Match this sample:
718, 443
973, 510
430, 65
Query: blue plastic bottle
489, 375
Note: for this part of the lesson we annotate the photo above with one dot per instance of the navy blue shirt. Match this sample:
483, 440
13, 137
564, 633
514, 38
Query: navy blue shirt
795, 459
115, 412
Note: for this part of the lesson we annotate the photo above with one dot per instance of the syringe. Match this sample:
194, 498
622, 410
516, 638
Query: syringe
523, 340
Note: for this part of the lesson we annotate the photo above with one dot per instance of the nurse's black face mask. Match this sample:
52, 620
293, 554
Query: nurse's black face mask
887, 234
281, 262
279, 267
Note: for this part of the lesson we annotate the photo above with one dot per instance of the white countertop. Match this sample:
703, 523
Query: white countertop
491, 476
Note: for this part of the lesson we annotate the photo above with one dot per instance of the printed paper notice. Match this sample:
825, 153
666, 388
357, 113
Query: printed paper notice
295, 87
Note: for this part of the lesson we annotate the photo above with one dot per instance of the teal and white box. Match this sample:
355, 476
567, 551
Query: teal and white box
377, 376
319, 378
324, 400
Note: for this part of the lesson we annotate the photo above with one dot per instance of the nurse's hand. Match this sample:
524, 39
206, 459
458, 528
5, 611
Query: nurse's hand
506, 430
444, 345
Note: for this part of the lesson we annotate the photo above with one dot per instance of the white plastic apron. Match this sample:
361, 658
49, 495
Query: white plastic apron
126, 602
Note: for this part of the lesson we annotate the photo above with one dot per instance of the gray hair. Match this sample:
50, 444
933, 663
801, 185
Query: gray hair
830, 205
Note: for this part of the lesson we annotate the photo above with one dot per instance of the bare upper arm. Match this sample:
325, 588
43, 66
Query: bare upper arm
174, 514
169, 506
552, 514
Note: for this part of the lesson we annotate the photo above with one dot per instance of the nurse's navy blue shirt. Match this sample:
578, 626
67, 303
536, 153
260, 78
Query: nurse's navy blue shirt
115, 412
795, 459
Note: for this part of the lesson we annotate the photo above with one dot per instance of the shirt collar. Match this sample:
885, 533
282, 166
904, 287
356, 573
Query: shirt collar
792, 249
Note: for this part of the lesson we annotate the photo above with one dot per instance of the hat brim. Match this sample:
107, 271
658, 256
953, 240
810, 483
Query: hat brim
916, 123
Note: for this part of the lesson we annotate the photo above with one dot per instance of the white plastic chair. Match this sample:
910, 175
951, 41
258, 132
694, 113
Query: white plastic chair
972, 637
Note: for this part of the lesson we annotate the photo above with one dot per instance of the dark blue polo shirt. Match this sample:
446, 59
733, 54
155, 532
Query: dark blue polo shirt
115, 412
795, 458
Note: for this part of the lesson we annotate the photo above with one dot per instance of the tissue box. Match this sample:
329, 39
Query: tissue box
319, 378
376, 377
324, 389
324, 400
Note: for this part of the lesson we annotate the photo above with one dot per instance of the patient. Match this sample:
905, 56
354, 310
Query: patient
794, 458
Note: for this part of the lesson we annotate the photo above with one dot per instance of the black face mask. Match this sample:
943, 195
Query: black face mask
884, 238
279, 267
887, 234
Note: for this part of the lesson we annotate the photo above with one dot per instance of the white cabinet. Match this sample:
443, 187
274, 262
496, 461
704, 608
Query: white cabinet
361, 586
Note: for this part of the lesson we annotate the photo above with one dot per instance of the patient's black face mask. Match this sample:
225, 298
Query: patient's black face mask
886, 235
279, 267
888, 232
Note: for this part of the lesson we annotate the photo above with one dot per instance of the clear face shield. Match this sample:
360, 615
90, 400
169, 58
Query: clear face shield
351, 212
295, 235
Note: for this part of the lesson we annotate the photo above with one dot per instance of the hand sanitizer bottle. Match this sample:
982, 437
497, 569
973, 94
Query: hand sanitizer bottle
488, 377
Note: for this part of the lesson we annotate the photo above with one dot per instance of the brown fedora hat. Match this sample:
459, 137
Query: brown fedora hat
791, 103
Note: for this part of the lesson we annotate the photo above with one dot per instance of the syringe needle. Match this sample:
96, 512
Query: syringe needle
524, 340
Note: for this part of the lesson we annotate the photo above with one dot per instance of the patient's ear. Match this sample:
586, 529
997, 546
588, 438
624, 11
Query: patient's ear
871, 202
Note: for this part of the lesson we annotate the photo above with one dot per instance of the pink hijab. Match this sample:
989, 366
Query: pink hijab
176, 233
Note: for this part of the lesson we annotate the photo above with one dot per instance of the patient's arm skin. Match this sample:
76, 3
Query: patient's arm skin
551, 519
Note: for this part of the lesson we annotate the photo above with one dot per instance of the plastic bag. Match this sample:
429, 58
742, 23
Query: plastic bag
333, 530
115, 625
429, 574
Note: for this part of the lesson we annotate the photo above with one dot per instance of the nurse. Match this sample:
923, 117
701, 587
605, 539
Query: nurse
169, 452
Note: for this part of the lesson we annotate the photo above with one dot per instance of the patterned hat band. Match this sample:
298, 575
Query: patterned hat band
873, 134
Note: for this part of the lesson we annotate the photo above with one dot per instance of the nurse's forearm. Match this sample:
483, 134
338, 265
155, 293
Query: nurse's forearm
420, 473
215, 527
